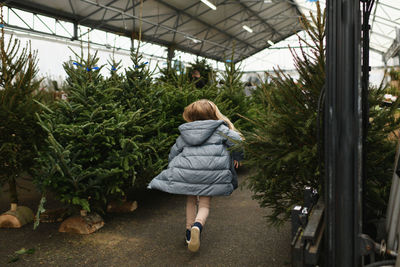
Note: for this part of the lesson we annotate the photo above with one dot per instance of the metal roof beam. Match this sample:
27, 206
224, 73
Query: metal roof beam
187, 21
295, 30
176, 23
228, 40
121, 12
96, 11
258, 50
171, 17
41, 9
202, 44
376, 51
258, 17
235, 15
382, 35
386, 5
374, 13
204, 23
385, 24
244, 42
16, 14
72, 7
215, 23
160, 15
104, 22
385, 19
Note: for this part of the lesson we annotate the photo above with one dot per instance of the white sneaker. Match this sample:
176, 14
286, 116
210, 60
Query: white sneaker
194, 243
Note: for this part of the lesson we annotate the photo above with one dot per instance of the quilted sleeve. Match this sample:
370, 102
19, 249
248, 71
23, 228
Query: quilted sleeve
176, 148
233, 141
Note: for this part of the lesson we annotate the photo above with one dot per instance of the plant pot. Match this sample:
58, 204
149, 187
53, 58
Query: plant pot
16, 217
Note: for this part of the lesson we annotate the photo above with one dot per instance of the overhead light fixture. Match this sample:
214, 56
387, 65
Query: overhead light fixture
270, 42
209, 4
267, 1
194, 40
247, 28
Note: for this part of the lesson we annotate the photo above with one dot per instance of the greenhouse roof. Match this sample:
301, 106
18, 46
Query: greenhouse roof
385, 23
243, 26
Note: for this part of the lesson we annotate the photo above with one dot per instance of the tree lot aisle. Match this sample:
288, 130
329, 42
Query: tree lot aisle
236, 234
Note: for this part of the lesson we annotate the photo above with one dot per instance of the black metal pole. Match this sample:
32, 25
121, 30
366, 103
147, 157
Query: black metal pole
367, 8
343, 133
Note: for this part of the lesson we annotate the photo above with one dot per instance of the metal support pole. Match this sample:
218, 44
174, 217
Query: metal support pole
133, 35
75, 37
170, 55
366, 8
343, 134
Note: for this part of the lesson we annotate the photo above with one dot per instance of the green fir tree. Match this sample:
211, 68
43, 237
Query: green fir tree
141, 93
232, 91
282, 149
175, 75
92, 140
382, 138
19, 132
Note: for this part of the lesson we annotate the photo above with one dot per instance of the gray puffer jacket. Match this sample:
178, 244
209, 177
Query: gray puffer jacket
199, 162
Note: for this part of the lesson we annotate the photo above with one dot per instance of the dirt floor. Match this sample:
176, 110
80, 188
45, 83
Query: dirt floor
236, 234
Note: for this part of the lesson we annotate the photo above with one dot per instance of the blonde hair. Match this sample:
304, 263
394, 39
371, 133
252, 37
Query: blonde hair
204, 109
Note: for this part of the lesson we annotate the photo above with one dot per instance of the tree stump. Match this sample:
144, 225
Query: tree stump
53, 215
122, 206
82, 224
16, 217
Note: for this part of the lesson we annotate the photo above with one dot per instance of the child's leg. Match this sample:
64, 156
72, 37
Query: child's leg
202, 214
204, 209
191, 204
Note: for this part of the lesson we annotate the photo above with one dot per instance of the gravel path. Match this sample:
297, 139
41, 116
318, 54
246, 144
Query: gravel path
236, 234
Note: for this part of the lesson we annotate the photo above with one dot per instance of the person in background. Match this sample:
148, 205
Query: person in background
199, 81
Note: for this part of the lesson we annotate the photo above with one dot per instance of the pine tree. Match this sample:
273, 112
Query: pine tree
232, 91
19, 131
91, 140
175, 75
115, 79
282, 148
140, 93
382, 138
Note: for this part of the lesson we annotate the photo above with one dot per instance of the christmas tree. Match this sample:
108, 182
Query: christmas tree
92, 140
382, 138
140, 93
282, 149
232, 90
175, 75
20, 134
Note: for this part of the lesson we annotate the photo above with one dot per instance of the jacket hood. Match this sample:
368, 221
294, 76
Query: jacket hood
197, 132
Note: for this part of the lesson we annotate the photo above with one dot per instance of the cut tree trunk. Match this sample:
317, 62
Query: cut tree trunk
16, 217
82, 224
53, 215
122, 206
